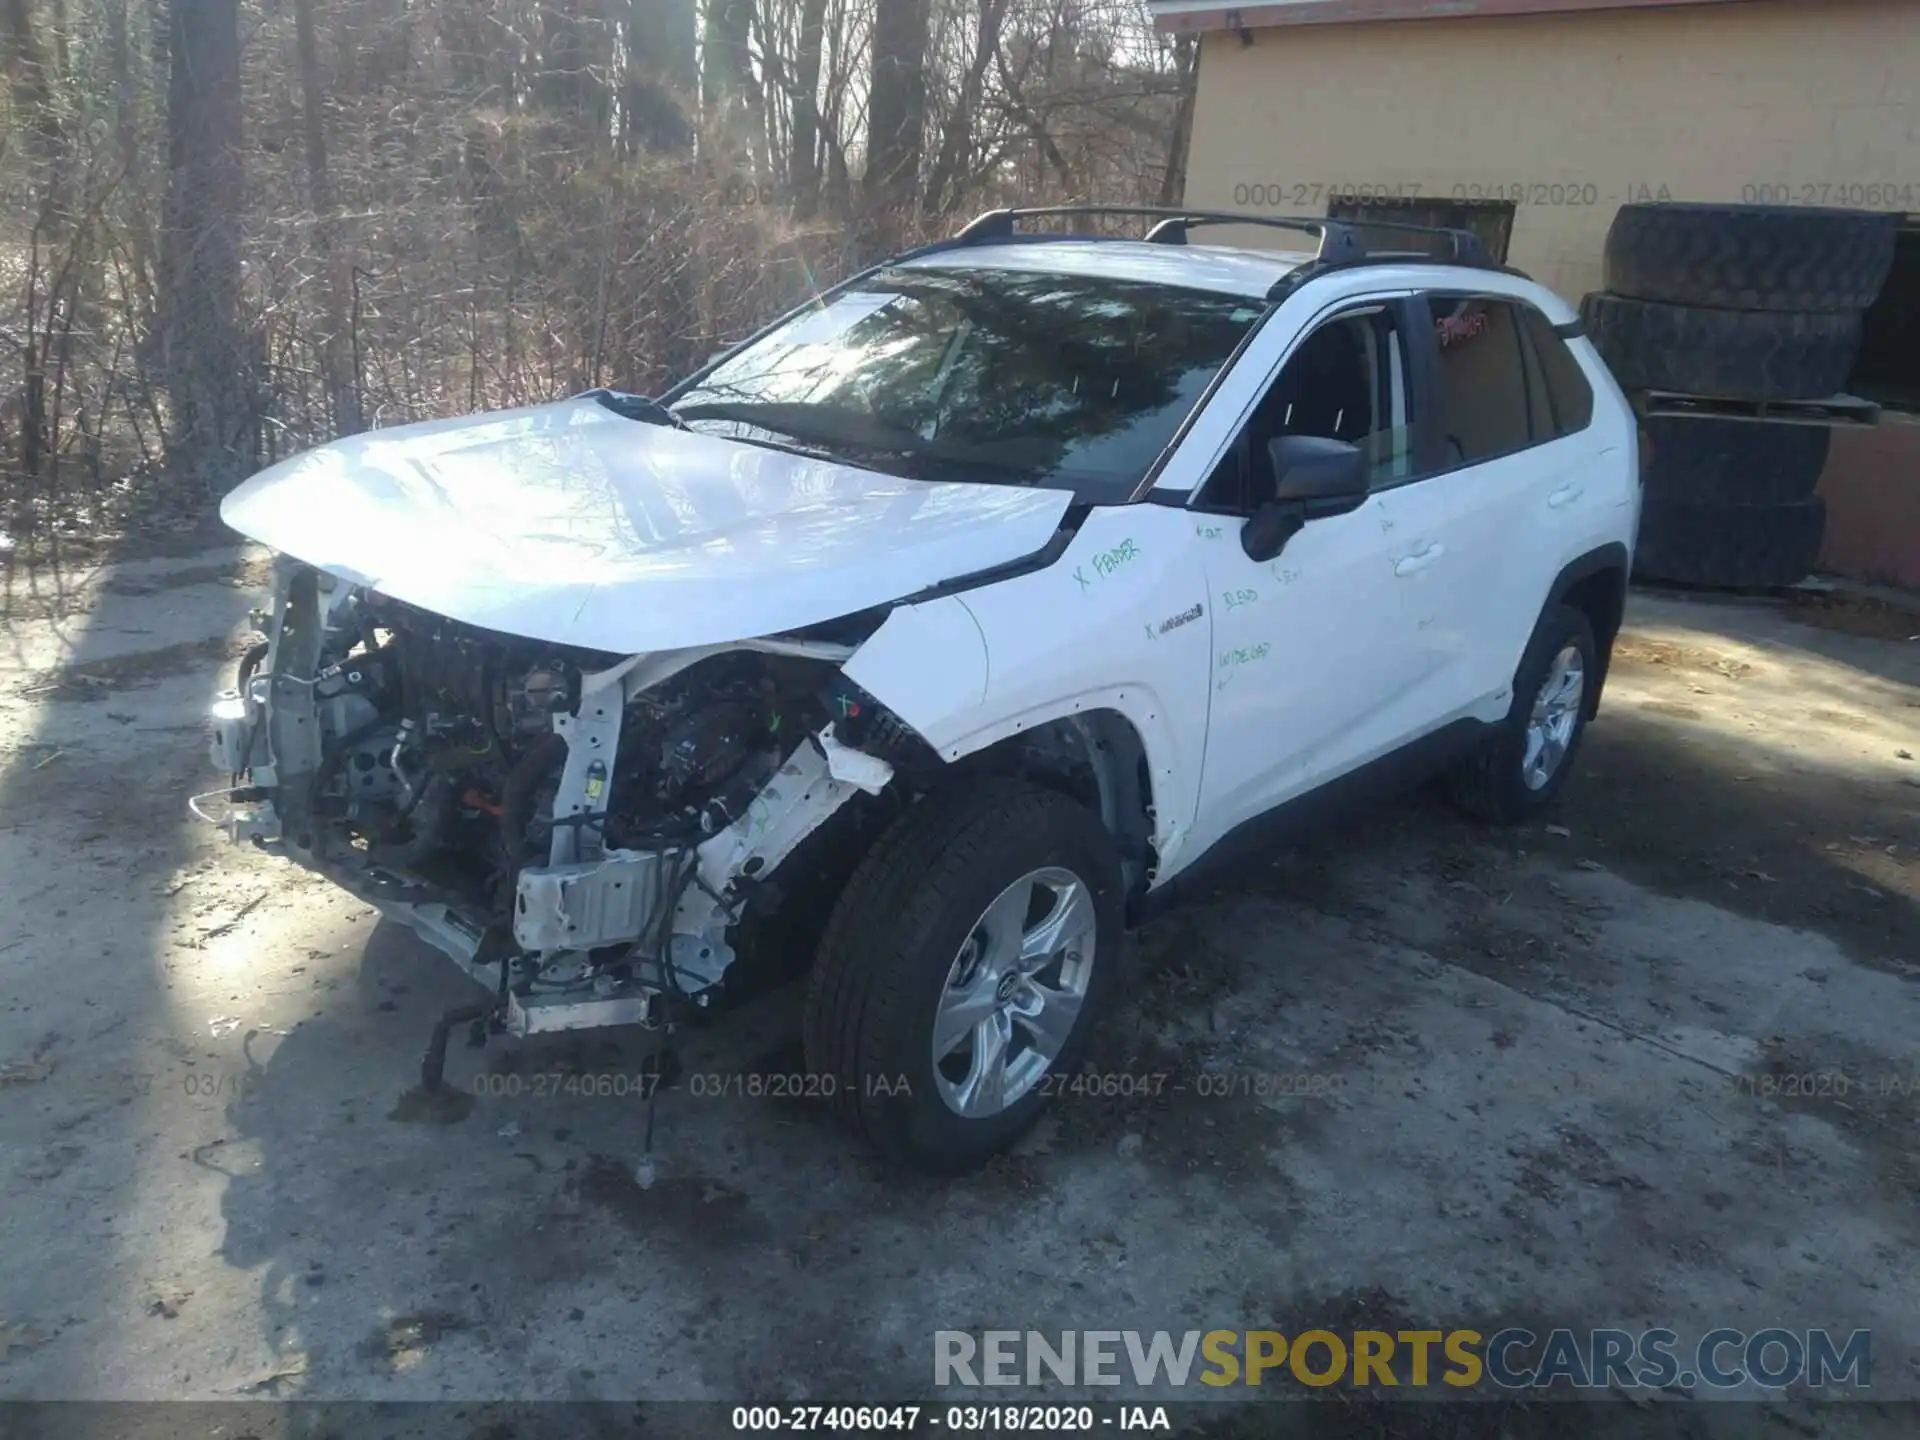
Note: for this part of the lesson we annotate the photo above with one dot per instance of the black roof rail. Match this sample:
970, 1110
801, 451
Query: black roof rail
1339, 242
1339, 239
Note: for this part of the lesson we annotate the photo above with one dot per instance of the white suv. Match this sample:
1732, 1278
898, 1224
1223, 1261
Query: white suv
937, 633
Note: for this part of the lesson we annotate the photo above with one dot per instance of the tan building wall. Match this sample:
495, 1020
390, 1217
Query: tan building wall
1571, 116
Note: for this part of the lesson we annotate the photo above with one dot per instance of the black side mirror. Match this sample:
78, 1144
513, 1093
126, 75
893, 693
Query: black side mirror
1328, 476
1316, 478
1269, 528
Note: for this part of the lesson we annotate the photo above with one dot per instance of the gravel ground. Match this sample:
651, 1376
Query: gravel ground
1542, 1056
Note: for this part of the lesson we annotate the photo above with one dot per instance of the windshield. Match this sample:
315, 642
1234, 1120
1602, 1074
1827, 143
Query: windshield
1068, 381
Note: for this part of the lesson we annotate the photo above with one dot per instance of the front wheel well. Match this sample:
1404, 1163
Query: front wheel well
1098, 758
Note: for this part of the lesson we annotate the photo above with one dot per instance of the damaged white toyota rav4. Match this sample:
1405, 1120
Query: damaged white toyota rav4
937, 633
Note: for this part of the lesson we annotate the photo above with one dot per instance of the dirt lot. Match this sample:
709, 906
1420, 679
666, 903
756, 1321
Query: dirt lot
1546, 1050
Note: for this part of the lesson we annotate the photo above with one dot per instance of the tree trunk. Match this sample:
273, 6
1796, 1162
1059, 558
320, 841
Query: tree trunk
803, 164
897, 104
25, 63
337, 347
568, 80
1186, 69
754, 102
727, 69
128, 150
956, 144
662, 75
200, 246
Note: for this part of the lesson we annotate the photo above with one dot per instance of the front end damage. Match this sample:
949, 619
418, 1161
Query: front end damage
583, 833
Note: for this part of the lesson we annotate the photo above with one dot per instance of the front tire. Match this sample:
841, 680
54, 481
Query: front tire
963, 970
1524, 764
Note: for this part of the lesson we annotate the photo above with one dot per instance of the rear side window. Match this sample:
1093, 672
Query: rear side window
1569, 398
1483, 379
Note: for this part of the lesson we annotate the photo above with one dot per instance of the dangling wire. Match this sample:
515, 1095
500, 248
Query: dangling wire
671, 878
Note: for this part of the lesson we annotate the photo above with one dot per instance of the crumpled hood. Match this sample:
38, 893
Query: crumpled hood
568, 523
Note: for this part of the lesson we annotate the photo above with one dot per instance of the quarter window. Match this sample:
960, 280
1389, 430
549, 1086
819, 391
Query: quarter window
1569, 395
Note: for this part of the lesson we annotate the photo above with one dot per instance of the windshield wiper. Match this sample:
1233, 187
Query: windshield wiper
637, 407
928, 463
856, 437
809, 424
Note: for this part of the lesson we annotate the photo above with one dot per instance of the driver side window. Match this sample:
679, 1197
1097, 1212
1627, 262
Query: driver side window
1346, 381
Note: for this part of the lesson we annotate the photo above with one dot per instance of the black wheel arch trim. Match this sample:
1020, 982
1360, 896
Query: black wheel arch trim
1611, 557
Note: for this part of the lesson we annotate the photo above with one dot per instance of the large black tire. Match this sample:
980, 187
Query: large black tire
1491, 782
1733, 462
893, 941
1730, 547
1757, 356
1750, 257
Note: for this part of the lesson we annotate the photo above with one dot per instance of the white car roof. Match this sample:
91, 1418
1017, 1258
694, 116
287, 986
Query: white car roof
1229, 270
1219, 268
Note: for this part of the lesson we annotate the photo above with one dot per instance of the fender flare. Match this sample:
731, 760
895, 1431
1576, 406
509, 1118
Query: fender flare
1611, 558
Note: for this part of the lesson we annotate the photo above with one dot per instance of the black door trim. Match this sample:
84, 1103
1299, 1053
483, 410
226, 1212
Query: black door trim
1256, 839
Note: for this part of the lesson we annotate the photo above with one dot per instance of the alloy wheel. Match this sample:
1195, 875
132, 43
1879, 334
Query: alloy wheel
1555, 718
1014, 993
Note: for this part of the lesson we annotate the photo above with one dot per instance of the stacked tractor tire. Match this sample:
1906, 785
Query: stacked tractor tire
1745, 303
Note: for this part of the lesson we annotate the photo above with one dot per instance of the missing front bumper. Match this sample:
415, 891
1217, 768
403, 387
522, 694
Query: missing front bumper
597, 936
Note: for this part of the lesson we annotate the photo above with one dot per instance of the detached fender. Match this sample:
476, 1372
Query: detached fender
928, 664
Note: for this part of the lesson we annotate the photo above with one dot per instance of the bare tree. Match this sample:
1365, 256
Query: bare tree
200, 245
897, 103
726, 74
1186, 71
342, 378
448, 205
960, 144
804, 161
662, 74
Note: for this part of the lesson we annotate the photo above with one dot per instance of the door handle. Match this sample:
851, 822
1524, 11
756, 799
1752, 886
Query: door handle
1565, 495
1420, 560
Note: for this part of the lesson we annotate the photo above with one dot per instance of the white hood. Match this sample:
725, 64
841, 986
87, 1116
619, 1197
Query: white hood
567, 523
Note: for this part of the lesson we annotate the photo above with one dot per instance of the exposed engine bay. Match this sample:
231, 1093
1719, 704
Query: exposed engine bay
583, 832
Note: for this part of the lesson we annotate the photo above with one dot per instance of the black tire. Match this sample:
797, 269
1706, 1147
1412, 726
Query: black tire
1730, 547
894, 937
1750, 257
1758, 356
772, 948
1733, 462
1491, 782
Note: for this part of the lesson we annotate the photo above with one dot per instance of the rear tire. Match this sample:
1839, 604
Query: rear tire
1760, 355
1501, 780
895, 963
1750, 257
1739, 547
